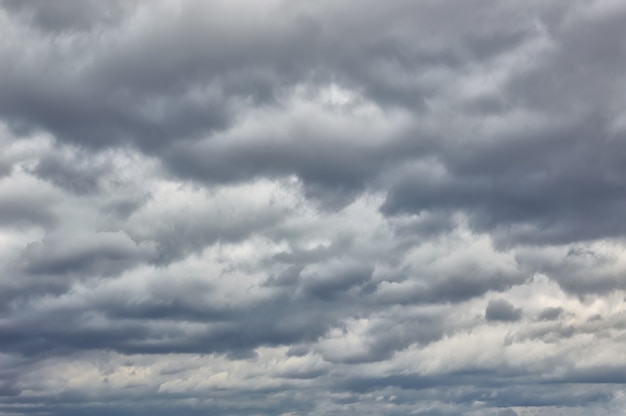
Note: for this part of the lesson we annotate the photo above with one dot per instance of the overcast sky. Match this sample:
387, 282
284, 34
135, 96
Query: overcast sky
276, 207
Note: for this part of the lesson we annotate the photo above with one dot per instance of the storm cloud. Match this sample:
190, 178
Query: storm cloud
312, 208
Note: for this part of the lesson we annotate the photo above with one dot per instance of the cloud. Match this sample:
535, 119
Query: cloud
550, 313
312, 208
502, 310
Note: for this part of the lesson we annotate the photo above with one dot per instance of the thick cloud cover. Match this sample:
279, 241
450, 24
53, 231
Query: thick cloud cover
272, 207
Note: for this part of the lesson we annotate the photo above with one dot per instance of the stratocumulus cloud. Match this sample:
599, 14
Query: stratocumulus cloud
272, 207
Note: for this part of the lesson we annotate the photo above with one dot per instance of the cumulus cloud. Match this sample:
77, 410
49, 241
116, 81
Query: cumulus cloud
312, 208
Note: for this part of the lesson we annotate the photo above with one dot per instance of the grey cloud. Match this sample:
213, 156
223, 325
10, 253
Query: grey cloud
25, 211
26, 204
51, 266
510, 396
581, 270
118, 114
389, 336
99, 254
544, 192
312, 208
238, 338
66, 15
335, 282
502, 310
457, 288
554, 185
176, 236
70, 173
5, 168
550, 313
507, 412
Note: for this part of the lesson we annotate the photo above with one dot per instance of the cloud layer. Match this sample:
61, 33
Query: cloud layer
312, 208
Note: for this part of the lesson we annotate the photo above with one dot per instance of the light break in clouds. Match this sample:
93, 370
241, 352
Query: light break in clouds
276, 207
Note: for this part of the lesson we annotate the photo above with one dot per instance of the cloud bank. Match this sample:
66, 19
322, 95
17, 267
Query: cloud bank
312, 208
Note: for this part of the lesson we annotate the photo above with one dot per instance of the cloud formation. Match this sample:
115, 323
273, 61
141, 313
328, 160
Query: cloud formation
312, 208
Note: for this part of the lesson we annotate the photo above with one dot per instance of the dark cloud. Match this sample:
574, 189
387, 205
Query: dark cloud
502, 310
337, 281
582, 269
66, 15
528, 195
26, 203
551, 313
312, 208
70, 173
103, 253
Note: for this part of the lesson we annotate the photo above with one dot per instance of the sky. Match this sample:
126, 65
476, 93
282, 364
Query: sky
273, 207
